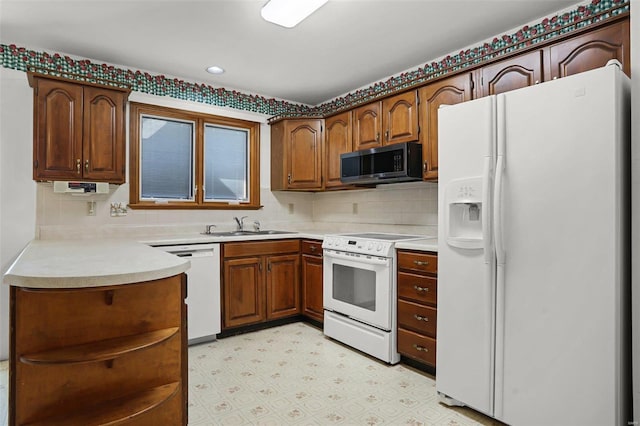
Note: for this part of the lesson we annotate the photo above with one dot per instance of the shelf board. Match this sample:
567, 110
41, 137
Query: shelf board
102, 350
115, 411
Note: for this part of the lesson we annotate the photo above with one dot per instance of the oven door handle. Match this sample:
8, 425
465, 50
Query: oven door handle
369, 260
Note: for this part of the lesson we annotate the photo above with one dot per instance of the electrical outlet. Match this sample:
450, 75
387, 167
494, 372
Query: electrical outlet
91, 208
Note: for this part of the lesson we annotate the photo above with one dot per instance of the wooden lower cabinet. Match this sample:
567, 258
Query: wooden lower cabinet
100, 355
261, 281
312, 299
417, 309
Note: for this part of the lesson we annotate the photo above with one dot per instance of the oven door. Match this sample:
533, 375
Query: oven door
359, 286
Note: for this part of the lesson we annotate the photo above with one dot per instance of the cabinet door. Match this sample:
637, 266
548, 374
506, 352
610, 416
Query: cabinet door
103, 139
243, 291
400, 118
304, 154
449, 91
591, 50
510, 74
367, 126
338, 140
312, 305
57, 131
283, 285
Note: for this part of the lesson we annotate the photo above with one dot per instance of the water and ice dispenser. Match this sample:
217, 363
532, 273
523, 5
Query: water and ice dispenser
464, 213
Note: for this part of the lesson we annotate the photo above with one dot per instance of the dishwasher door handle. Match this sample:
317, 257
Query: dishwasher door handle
202, 253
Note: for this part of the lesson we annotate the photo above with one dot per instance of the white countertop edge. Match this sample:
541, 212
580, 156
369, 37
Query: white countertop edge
54, 264
424, 244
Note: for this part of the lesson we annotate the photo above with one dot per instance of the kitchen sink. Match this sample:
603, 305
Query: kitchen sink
241, 233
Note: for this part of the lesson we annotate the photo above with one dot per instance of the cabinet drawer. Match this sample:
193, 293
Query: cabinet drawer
419, 262
258, 248
417, 287
417, 346
416, 317
312, 247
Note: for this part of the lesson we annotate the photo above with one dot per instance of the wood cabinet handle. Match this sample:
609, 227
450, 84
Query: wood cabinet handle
86, 166
78, 165
420, 348
289, 178
386, 135
418, 288
260, 266
313, 248
421, 318
269, 267
420, 262
378, 137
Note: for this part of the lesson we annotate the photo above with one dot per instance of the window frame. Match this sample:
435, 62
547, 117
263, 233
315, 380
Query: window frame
138, 110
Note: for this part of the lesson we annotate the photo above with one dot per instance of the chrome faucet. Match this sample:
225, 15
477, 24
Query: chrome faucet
256, 225
209, 228
240, 222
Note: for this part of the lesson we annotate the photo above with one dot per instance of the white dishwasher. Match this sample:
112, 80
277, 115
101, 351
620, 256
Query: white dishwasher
203, 289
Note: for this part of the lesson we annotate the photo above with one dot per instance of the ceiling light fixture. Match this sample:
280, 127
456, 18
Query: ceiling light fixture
215, 70
289, 13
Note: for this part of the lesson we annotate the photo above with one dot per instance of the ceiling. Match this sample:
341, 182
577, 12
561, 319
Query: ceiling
345, 45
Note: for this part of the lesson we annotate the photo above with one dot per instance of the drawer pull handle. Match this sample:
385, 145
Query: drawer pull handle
418, 288
420, 348
421, 318
313, 248
421, 262
108, 297
78, 165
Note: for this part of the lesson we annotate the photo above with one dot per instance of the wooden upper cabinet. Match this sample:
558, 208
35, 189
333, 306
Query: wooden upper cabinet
78, 131
367, 126
296, 154
400, 118
338, 140
57, 139
591, 50
103, 137
449, 91
510, 74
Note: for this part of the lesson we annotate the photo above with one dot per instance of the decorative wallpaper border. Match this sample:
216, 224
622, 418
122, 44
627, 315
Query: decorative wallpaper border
22, 59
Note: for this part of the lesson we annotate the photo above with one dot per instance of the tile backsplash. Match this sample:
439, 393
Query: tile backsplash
408, 208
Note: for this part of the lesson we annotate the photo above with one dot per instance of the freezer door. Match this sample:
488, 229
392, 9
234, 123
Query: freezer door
561, 238
465, 254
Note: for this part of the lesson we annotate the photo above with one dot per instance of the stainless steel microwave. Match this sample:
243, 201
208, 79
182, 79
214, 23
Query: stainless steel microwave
400, 162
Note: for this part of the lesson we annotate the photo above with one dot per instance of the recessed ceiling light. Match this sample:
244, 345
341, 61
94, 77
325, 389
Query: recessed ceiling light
289, 13
215, 70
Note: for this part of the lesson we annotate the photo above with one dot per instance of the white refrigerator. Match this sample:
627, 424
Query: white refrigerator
533, 252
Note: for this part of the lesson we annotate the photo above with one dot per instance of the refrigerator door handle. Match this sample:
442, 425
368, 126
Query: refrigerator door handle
497, 201
497, 211
486, 221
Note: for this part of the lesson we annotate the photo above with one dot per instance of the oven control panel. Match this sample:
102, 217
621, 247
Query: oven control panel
356, 245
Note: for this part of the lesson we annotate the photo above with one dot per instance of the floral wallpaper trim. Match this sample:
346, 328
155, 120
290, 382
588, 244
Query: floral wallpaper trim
22, 59
594, 12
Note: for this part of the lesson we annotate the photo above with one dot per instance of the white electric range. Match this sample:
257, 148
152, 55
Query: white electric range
360, 291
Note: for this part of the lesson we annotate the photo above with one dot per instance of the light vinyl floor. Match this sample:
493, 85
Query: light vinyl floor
294, 375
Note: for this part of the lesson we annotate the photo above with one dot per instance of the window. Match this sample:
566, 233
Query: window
182, 159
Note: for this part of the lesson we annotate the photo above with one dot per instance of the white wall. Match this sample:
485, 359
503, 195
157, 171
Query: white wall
635, 203
17, 189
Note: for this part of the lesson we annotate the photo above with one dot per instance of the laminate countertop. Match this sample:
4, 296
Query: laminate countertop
84, 263
424, 244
